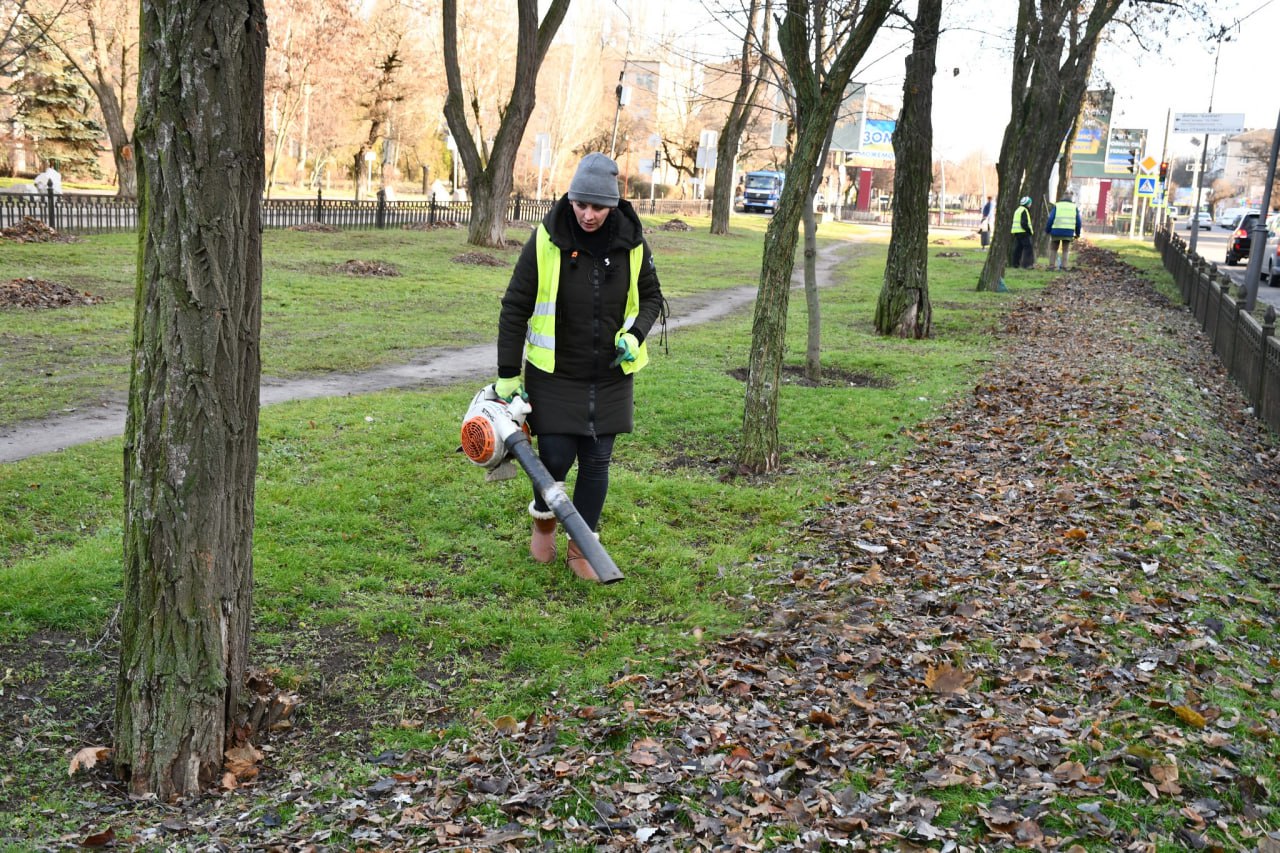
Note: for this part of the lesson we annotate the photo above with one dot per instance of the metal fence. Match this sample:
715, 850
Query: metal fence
76, 213
1248, 349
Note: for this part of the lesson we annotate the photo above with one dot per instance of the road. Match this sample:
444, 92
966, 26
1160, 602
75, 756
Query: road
1212, 245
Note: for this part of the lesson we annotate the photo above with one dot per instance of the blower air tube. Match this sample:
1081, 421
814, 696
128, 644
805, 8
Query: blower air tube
606, 569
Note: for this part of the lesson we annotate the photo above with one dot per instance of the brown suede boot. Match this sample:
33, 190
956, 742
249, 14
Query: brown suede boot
578, 563
542, 542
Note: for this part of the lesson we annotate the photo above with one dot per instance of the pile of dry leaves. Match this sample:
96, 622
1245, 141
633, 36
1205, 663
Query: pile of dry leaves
675, 225
316, 228
37, 293
1018, 635
31, 230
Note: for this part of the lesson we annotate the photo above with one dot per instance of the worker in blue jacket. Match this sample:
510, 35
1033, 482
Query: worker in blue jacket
1062, 226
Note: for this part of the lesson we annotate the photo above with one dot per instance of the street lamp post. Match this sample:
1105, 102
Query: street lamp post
1204, 151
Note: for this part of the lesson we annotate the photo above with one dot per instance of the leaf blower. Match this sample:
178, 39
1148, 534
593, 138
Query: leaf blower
494, 431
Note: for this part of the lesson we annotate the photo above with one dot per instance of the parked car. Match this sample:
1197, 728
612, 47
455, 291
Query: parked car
1241, 238
1228, 216
1271, 263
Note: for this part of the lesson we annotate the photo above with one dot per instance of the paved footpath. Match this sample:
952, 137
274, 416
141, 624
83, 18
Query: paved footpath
440, 367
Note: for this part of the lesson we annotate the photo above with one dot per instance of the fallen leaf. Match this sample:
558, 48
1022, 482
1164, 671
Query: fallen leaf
1190, 716
946, 678
506, 724
86, 758
242, 762
99, 839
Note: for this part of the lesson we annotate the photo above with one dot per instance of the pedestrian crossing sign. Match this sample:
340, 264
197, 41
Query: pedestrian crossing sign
1146, 187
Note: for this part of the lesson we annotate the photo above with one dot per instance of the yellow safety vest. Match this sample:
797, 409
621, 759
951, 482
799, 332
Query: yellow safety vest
1064, 217
540, 335
1017, 220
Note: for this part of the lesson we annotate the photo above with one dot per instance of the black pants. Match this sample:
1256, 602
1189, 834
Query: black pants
1023, 253
558, 453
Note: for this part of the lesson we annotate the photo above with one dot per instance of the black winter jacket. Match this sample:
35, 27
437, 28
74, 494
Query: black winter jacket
584, 396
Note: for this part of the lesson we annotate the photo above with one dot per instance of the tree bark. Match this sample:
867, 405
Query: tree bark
490, 179
94, 65
903, 308
191, 437
813, 305
819, 93
1013, 155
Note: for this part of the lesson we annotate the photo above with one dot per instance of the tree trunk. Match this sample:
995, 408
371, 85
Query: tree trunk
1013, 155
818, 95
813, 338
489, 179
749, 84
1046, 96
191, 438
904, 308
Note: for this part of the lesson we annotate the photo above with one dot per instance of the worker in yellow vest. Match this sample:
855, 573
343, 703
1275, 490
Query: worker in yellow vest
1062, 226
581, 301
1024, 253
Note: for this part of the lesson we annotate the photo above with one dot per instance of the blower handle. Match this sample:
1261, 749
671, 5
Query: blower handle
606, 569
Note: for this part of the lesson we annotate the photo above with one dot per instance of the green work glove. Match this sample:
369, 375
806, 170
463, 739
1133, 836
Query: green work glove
628, 346
510, 388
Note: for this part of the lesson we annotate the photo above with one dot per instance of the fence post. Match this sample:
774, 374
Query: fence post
515, 212
431, 210
1268, 332
319, 206
380, 218
50, 215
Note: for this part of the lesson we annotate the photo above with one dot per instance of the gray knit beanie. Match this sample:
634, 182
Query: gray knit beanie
595, 182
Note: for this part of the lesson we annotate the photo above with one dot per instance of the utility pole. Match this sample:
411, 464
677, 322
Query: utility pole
1204, 150
1258, 241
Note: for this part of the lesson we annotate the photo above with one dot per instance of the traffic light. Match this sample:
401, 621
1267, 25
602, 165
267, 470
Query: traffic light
1133, 161
1164, 170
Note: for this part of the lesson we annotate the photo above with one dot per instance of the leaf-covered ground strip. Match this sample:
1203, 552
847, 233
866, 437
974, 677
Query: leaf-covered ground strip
1048, 623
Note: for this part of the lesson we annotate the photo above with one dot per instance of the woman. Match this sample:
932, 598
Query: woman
581, 301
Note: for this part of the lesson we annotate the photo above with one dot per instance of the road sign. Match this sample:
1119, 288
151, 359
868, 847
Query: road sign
1149, 164
1208, 122
1146, 186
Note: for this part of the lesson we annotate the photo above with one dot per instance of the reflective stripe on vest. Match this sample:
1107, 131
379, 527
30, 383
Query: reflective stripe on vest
540, 334
1017, 220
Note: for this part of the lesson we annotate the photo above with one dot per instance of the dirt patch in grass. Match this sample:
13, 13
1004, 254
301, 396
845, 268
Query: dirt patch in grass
367, 268
479, 259
317, 227
832, 377
38, 293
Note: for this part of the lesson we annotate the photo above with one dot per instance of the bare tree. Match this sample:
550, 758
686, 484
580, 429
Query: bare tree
191, 438
100, 39
490, 179
819, 89
903, 308
311, 49
750, 82
1055, 42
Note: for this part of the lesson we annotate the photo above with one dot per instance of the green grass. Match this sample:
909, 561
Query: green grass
370, 525
315, 317
392, 584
